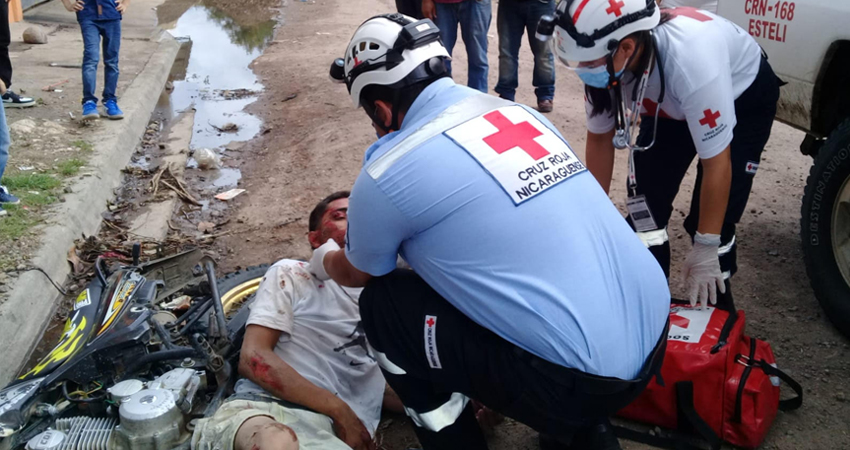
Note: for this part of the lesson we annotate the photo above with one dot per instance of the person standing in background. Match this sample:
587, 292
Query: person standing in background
10, 98
473, 16
100, 19
515, 17
412, 8
5, 81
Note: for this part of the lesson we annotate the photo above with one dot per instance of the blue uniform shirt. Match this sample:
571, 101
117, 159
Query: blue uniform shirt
98, 10
549, 265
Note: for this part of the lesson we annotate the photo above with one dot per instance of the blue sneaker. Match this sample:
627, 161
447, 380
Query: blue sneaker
90, 110
112, 110
6, 197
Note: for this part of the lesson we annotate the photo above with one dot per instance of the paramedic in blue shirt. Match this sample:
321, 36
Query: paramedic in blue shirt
530, 294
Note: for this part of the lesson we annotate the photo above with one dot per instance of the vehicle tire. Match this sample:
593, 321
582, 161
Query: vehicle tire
237, 288
825, 227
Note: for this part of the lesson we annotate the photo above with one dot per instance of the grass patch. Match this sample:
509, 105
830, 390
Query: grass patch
31, 182
83, 145
70, 167
17, 222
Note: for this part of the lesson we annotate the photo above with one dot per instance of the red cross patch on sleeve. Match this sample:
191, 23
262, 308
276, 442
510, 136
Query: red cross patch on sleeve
521, 153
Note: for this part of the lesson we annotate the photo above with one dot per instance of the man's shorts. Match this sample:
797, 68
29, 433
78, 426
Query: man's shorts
314, 431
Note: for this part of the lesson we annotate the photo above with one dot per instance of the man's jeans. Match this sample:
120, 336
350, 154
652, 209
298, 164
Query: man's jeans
474, 19
4, 142
110, 31
516, 16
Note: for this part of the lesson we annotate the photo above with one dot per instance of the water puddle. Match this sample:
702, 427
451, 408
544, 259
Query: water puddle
212, 75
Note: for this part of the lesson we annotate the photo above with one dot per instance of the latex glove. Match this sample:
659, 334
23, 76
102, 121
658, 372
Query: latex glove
702, 270
317, 262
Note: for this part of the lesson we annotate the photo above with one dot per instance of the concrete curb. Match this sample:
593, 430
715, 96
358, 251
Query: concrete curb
33, 299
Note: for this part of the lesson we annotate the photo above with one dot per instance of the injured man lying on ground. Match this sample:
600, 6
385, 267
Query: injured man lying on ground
310, 379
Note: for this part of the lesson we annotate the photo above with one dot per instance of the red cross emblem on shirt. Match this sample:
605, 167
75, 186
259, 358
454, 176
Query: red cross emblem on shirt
687, 11
710, 118
615, 7
430, 322
679, 321
512, 135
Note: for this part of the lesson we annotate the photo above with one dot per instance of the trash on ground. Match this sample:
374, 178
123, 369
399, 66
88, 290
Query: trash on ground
229, 195
206, 227
207, 159
52, 87
229, 127
26, 168
166, 178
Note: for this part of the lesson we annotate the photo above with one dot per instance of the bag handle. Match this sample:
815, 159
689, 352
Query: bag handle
791, 403
688, 414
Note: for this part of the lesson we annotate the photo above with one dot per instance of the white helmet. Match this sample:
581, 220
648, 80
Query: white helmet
587, 30
390, 50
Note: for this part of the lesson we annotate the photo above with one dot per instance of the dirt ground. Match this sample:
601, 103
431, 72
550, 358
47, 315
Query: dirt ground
314, 145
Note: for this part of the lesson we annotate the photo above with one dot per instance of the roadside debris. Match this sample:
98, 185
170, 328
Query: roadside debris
207, 159
52, 87
166, 178
229, 127
229, 195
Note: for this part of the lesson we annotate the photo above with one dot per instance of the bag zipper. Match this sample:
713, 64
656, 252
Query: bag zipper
741, 384
724, 332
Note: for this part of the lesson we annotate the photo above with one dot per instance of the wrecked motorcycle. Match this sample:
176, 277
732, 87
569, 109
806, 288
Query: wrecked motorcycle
147, 349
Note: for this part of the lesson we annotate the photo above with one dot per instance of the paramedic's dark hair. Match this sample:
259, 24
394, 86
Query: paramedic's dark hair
601, 99
319, 210
400, 98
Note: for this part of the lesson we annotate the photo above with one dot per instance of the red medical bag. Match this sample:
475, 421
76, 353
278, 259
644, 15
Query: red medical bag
715, 381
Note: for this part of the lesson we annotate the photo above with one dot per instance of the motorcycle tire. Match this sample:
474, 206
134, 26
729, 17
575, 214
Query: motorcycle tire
825, 227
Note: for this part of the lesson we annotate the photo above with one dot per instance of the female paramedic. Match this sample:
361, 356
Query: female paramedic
701, 86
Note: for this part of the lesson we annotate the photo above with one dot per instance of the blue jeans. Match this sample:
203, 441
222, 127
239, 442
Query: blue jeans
473, 16
5, 141
110, 31
515, 17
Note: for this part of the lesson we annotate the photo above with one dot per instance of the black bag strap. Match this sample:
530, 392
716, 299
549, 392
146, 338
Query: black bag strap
689, 415
689, 420
791, 403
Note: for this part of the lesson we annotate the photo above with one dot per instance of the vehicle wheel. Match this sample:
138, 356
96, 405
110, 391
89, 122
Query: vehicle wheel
237, 289
825, 227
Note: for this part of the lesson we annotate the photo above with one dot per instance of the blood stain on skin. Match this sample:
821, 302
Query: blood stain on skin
262, 371
282, 427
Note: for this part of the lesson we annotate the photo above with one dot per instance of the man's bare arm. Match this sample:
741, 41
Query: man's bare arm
260, 364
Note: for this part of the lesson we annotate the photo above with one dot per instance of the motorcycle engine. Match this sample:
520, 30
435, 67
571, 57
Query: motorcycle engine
151, 416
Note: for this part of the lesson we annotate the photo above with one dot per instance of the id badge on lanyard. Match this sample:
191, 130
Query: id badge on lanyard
636, 204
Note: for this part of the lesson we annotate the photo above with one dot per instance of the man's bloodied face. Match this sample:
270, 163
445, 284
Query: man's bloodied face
333, 224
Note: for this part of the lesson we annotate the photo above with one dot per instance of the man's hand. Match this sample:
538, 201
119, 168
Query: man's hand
703, 277
429, 10
2, 87
74, 6
350, 429
121, 5
317, 262
486, 417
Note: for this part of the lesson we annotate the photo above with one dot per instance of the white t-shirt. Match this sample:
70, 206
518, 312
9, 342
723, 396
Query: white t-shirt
322, 339
708, 5
708, 63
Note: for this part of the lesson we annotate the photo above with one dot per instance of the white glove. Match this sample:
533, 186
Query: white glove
317, 262
702, 270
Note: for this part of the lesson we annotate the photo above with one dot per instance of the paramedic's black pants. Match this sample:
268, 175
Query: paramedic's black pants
464, 360
660, 169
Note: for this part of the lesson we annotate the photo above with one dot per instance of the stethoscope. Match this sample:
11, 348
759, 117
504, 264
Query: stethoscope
626, 128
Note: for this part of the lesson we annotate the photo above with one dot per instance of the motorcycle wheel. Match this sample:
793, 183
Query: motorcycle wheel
237, 288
